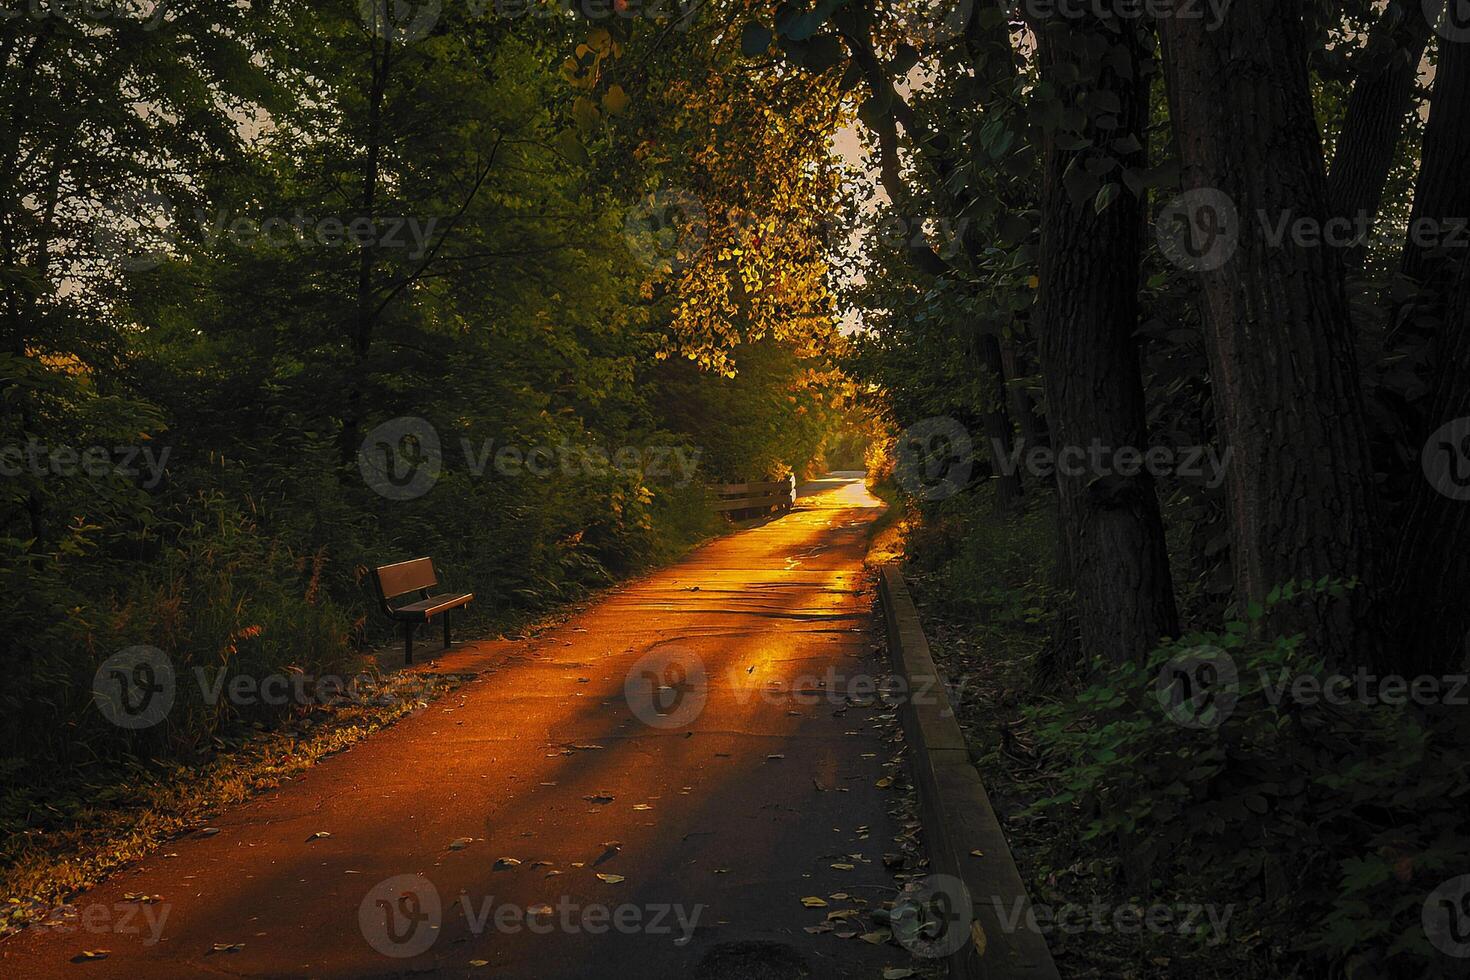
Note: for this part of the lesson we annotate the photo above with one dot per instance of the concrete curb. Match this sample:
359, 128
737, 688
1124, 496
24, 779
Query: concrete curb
958, 818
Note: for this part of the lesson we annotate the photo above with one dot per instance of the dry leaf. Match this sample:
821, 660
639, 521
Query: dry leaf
611, 879
813, 902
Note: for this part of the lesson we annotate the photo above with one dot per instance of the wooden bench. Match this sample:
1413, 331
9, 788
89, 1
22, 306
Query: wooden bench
395, 581
755, 496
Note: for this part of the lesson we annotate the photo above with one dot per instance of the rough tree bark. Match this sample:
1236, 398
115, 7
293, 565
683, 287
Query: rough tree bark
1442, 193
1088, 313
1431, 563
1299, 492
1431, 558
1380, 101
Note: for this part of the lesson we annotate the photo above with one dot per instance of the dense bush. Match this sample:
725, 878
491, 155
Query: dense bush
1324, 825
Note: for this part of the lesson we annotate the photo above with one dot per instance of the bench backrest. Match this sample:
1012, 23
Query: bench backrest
405, 577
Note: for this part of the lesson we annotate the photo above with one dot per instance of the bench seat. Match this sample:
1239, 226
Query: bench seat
424, 610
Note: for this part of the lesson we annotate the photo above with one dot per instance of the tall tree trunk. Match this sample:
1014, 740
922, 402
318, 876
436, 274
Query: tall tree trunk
1431, 568
365, 312
1431, 564
998, 428
1090, 262
1381, 98
1442, 194
1023, 405
1299, 492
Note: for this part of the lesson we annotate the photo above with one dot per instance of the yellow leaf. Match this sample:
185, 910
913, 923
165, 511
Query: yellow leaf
813, 902
584, 111
615, 100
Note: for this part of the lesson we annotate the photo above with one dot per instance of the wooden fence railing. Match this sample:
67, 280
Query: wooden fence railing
755, 496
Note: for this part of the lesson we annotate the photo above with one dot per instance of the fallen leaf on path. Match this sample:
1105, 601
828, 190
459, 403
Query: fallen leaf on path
977, 853
208, 831
227, 947
813, 902
775, 755
540, 864
599, 799
642, 806
503, 863
842, 866
613, 847
977, 936
460, 843
319, 835
611, 879
540, 910
144, 899
884, 783
479, 962
897, 973
91, 954
877, 938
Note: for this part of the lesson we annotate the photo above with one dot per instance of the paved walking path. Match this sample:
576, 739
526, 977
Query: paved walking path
651, 751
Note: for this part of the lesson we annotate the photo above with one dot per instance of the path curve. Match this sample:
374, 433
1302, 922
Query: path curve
720, 800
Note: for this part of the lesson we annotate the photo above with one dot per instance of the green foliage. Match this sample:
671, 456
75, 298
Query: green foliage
224, 319
1324, 824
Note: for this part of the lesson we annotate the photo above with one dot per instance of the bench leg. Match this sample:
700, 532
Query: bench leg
446, 629
407, 643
